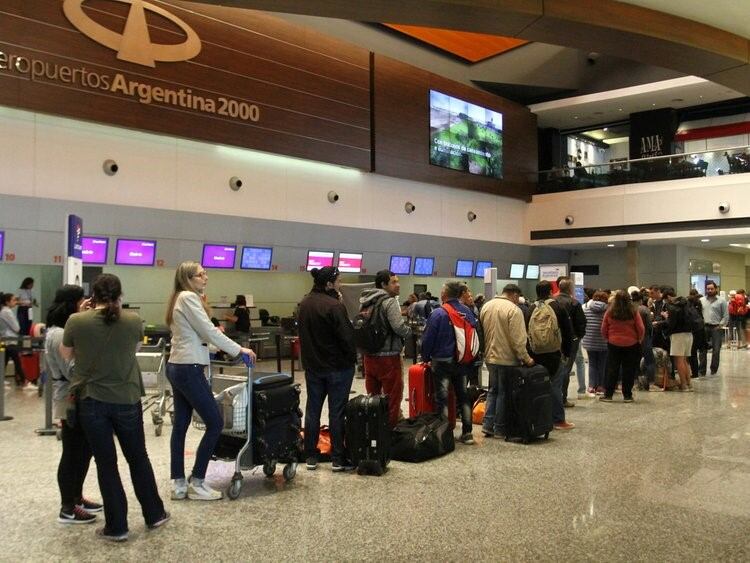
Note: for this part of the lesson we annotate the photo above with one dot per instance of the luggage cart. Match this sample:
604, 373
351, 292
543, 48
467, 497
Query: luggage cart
153, 363
244, 458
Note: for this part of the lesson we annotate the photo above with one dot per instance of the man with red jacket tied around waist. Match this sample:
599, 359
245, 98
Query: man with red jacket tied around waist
622, 328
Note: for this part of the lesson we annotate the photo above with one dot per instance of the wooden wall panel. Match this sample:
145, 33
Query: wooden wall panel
402, 131
313, 92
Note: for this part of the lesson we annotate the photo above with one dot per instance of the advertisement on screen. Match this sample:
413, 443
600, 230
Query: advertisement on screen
130, 252
256, 258
424, 266
350, 262
319, 259
218, 256
94, 250
401, 265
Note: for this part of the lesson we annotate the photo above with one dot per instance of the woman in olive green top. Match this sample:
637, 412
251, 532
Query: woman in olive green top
107, 383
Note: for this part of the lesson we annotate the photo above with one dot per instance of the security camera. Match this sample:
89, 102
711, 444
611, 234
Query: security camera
333, 197
592, 57
235, 183
471, 216
569, 220
110, 167
409, 207
724, 207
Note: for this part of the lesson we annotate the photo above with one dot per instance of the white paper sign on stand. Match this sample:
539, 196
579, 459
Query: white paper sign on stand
551, 272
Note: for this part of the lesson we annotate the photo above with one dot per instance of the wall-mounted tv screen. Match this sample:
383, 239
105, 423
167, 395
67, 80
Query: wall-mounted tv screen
132, 252
319, 259
219, 256
256, 258
482, 265
464, 268
424, 266
350, 262
465, 136
94, 250
532, 272
400, 265
516, 271
2, 248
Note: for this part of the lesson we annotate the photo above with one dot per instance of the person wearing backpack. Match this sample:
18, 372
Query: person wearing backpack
450, 357
550, 338
382, 354
681, 320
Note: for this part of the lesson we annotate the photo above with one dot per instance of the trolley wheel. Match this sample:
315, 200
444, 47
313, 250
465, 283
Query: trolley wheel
360, 470
269, 469
157, 430
234, 489
58, 435
171, 418
290, 470
156, 419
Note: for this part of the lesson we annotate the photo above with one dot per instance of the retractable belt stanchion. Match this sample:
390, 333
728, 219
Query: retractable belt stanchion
278, 352
3, 416
49, 428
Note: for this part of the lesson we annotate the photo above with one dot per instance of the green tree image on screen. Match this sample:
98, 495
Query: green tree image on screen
465, 136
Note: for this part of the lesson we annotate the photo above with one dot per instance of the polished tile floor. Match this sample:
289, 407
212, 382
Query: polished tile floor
664, 479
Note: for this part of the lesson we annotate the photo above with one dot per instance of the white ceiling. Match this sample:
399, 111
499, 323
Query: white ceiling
730, 15
616, 105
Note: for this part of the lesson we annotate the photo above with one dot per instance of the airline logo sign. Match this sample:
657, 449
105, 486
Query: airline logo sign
134, 44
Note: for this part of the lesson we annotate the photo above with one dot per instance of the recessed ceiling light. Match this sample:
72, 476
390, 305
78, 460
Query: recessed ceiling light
705, 240
575, 117
605, 129
701, 97
653, 105
619, 109
610, 245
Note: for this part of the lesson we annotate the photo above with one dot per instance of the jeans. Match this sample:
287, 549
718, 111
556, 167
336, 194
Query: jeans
581, 370
622, 361
737, 325
73, 466
191, 391
563, 378
384, 374
446, 374
649, 363
336, 386
551, 362
494, 413
102, 422
714, 337
597, 368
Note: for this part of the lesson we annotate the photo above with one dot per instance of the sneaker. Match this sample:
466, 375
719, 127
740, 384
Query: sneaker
600, 390
606, 398
179, 491
488, 434
104, 534
583, 395
76, 516
591, 390
312, 463
90, 506
160, 522
565, 425
627, 400
202, 492
689, 388
339, 466
467, 439
568, 405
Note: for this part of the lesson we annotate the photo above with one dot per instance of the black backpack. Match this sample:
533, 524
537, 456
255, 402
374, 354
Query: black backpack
693, 318
370, 329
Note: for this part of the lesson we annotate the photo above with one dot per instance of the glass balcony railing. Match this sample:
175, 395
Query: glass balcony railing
717, 162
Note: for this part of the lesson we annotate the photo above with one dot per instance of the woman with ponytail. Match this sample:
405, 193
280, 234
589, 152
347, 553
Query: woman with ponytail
189, 320
108, 388
76, 453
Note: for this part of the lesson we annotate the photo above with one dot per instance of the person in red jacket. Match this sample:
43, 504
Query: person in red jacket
622, 328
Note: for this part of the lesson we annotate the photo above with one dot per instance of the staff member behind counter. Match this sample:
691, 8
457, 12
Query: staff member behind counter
189, 319
241, 316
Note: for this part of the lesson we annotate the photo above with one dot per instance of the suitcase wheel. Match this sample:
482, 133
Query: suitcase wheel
269, 469
546, 435
290, 470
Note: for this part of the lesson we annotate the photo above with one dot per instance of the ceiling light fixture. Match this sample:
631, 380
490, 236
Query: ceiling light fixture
610, 245
705, 240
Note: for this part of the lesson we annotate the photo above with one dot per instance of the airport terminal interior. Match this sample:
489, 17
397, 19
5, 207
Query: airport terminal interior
507, 144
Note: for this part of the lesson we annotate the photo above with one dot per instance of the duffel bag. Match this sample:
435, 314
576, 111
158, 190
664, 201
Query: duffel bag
422, 437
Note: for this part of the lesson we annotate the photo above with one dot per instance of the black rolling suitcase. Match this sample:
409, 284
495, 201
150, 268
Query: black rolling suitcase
277, 419
528, 401
422, 437
368, 437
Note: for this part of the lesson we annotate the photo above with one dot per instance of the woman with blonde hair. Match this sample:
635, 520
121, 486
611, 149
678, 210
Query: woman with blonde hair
189, 319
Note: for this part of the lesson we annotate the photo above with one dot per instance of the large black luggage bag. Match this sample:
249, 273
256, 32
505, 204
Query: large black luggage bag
528, 401
368, 438
422, 437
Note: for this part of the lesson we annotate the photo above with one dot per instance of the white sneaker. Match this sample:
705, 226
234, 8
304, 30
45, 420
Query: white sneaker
203, 492
179, 490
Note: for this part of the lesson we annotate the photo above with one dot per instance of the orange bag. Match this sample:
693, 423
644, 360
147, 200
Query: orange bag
324, 443
477, 413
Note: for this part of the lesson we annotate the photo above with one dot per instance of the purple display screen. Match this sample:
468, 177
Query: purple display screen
218, 256
2, 247
94, 250
132, 252
401, 265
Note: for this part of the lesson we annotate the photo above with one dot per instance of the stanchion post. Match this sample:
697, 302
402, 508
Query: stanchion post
3, 416
278, 352
48, 429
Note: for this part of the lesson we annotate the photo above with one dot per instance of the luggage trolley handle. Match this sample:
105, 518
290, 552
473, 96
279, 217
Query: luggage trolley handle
248, 361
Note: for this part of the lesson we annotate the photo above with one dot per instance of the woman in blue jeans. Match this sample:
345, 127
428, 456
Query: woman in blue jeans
189, 319
108, 386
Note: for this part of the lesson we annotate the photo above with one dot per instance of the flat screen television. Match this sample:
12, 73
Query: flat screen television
350, 262
465, 136
220, 256
256, 258
2, 248
135, 252
424, 266
532, 272
516, 271
400, 265
464, 268
319, 259
94, 250
482, 265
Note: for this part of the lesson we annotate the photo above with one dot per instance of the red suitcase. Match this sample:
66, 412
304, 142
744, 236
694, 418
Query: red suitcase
422, 393
30, 364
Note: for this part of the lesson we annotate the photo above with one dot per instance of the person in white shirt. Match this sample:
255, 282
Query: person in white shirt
9, 329
189, 320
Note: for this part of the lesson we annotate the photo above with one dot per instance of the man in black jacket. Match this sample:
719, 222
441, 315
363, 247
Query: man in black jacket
329, 356
578, 319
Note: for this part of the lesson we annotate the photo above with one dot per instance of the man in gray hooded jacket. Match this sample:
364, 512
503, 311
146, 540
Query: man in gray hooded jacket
383, 369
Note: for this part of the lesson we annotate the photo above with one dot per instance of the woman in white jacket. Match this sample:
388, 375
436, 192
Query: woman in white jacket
189, 320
